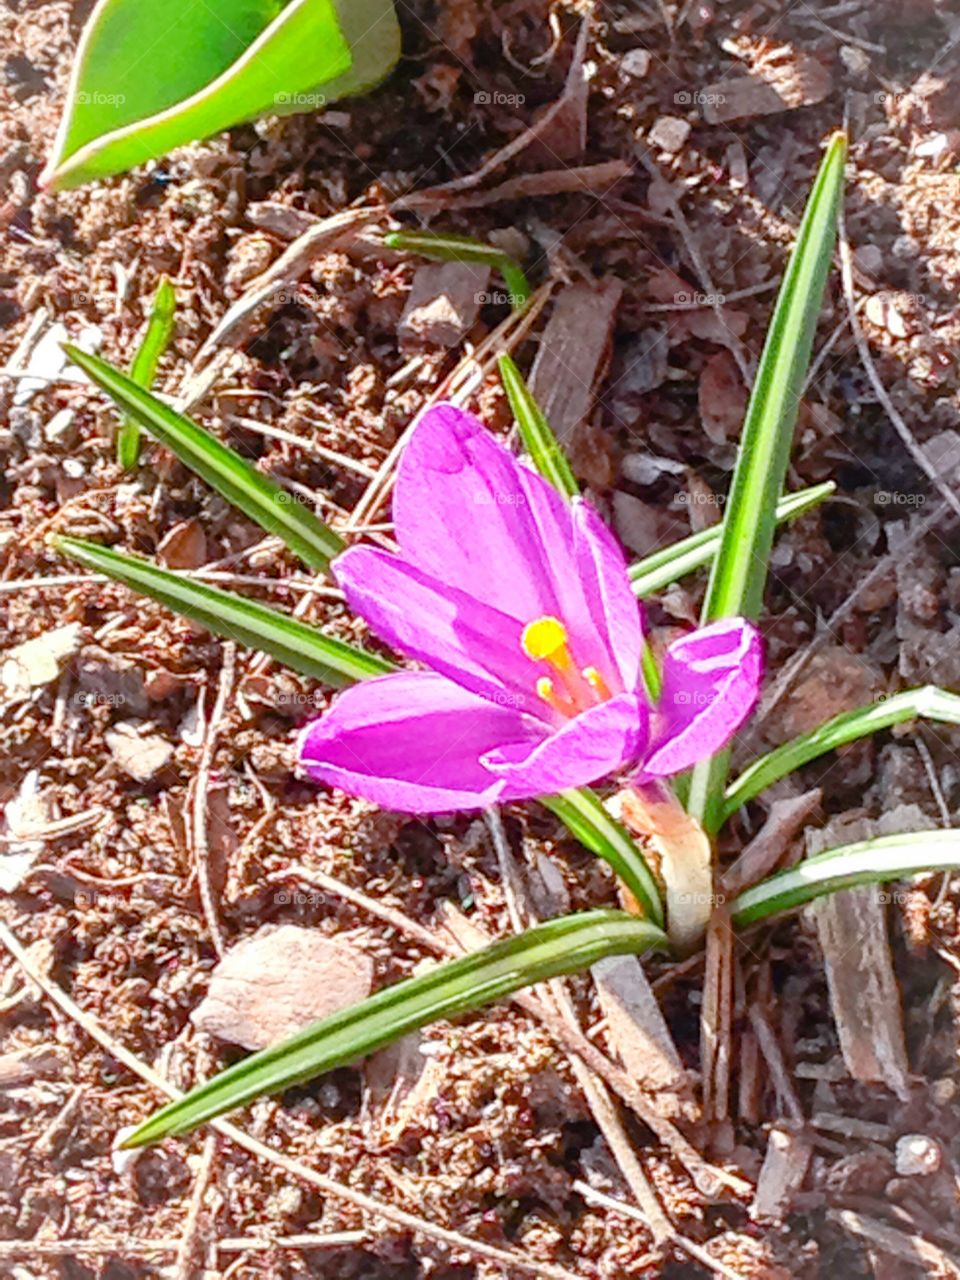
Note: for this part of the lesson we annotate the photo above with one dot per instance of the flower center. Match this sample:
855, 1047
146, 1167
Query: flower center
570, 690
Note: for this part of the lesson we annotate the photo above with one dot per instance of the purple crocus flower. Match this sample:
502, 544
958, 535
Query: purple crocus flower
519, 605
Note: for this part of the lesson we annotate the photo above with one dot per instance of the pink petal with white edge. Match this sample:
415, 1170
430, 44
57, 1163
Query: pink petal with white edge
412, 742
711, 683
470, 514
594, 744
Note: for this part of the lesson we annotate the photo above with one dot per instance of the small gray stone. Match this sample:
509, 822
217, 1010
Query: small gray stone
917, 1156
276, 982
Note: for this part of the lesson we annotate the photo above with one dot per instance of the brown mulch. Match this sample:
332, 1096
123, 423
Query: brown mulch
112, 909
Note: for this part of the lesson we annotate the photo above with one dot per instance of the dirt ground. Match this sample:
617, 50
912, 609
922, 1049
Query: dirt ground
500, 1142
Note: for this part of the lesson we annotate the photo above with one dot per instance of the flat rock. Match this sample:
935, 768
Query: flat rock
443, 305
277, 982
141, 756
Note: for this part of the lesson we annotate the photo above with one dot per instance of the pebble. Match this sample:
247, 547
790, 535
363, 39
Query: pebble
917, 1156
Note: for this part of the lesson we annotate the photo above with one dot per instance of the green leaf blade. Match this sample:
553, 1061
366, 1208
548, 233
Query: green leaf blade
662, 568
535, 431
583, 814
866, 862
257, 626
560, 946
740, 569
156, 339
252, 492
928, 703
210, 66
448, 247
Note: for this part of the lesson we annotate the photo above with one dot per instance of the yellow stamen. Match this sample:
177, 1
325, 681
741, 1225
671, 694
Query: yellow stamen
546, 691
596, 682
545, 640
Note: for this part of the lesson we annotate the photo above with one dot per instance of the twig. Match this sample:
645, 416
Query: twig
329, 1186
191, 1228
689, 1246
523, 140
201, 783
778, 1068
144, 1248
913, 446
702, 270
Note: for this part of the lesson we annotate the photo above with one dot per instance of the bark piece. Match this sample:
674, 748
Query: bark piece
784, 1168
852, 927
773, 85
443, 305
573, 354
639, 1033
277, 982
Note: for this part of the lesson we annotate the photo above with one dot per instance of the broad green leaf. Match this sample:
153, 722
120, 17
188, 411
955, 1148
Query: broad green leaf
155, 341
301, 647
867, 862
252, 492
564, 945
149, 77
535, 431
928, 703
661, 568
583, 813
740, 569
453, 248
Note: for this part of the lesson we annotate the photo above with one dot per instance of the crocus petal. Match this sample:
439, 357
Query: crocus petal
456, 634
470, 514
411, 742
593, 744
711, 682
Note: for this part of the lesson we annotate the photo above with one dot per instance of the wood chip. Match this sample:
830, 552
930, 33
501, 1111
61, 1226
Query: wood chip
774, 85
921, 1253
639, 1033
37, 662
573, 354
277, 982
443, 305
23, 1066
784, 819
852, 927
784, 1168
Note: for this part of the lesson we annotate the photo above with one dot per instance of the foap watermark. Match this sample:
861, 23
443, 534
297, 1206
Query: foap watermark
698, 98
500, 498
498, 99
89, 898
898, 498
693, 298
702, 899
698, 499
88, 698
300, 898
301, 101
99, 99
499, 297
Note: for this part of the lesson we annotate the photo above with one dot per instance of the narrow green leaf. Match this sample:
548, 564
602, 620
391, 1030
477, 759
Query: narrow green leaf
535, 431
442, 247
661, 568
867, 862
150, 77
561, 946
252, 492
583, 814
155, 341
301, 647
740, 569
928, 703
